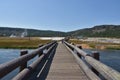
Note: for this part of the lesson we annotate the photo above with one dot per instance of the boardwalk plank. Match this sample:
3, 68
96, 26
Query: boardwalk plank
64, 66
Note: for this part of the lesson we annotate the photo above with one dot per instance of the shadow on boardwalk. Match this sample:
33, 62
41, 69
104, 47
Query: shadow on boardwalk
43, 69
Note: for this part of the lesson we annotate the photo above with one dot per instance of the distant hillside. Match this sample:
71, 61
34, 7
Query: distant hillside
5, 31
98, 31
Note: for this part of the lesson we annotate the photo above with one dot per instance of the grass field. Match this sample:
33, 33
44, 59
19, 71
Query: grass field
33, 42
97, 45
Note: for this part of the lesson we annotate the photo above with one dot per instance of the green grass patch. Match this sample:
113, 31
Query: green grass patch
113, 48
21, 42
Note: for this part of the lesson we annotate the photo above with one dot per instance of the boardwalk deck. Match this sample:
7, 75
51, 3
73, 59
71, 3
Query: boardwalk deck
64, 66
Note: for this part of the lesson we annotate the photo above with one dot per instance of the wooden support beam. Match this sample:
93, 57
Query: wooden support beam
95, 55
7, 67
24, 65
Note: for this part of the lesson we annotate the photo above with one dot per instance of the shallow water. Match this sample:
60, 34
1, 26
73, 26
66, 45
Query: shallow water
109, 57
10, 54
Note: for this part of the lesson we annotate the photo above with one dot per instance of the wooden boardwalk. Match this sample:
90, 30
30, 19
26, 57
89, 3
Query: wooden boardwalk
64, 66
58, 63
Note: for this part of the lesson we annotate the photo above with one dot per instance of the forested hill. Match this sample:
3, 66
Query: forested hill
96, 31
5, 31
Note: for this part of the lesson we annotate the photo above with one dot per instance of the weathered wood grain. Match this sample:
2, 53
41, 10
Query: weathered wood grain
64, 66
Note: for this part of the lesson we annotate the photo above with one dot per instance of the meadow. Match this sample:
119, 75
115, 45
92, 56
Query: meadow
96, 45
21, 43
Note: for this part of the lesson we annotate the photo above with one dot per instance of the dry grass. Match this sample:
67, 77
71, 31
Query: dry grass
6, 42
98, 44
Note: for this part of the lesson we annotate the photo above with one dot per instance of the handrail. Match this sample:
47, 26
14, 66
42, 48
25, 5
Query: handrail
23, 75
81, 52
103, 69
7, 67
106, 71
84, 66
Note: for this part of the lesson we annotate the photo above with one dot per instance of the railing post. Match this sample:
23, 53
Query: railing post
41, 51
72, 43
80, 47
24, 65
95, 55
40, 45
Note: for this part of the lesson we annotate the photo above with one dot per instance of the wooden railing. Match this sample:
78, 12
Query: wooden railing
85, 60
7, 67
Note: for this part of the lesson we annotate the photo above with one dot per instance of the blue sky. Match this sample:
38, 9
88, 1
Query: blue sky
58, 15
